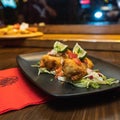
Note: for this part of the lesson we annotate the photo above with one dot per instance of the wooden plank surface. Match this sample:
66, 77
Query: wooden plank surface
81, 29
89, 41
105, 37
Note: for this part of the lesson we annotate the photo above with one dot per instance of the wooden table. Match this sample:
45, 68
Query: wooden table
94, 107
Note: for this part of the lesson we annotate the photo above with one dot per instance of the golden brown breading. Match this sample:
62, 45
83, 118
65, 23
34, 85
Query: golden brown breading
50, 62
88, 63
73, 70
70, 68
8, 31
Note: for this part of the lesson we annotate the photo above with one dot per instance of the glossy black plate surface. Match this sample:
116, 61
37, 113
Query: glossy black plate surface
47, 83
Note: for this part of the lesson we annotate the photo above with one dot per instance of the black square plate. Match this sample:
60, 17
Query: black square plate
47, 83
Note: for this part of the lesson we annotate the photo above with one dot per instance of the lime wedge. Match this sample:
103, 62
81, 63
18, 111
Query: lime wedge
60, 47
79, 51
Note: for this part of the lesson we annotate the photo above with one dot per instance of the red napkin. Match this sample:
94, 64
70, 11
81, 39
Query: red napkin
16, 92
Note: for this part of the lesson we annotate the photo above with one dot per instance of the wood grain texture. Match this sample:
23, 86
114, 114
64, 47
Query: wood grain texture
81, 29
91, 42
94, 107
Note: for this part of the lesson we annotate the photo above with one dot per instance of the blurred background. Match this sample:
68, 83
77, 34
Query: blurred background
96, 12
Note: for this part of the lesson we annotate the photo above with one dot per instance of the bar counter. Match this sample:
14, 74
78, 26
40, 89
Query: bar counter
103, 106
90, 37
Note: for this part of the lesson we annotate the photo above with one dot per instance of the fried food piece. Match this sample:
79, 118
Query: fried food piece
2, 31
73, 70
32, 29
50, 62
16, 29
5, 31
88, 63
